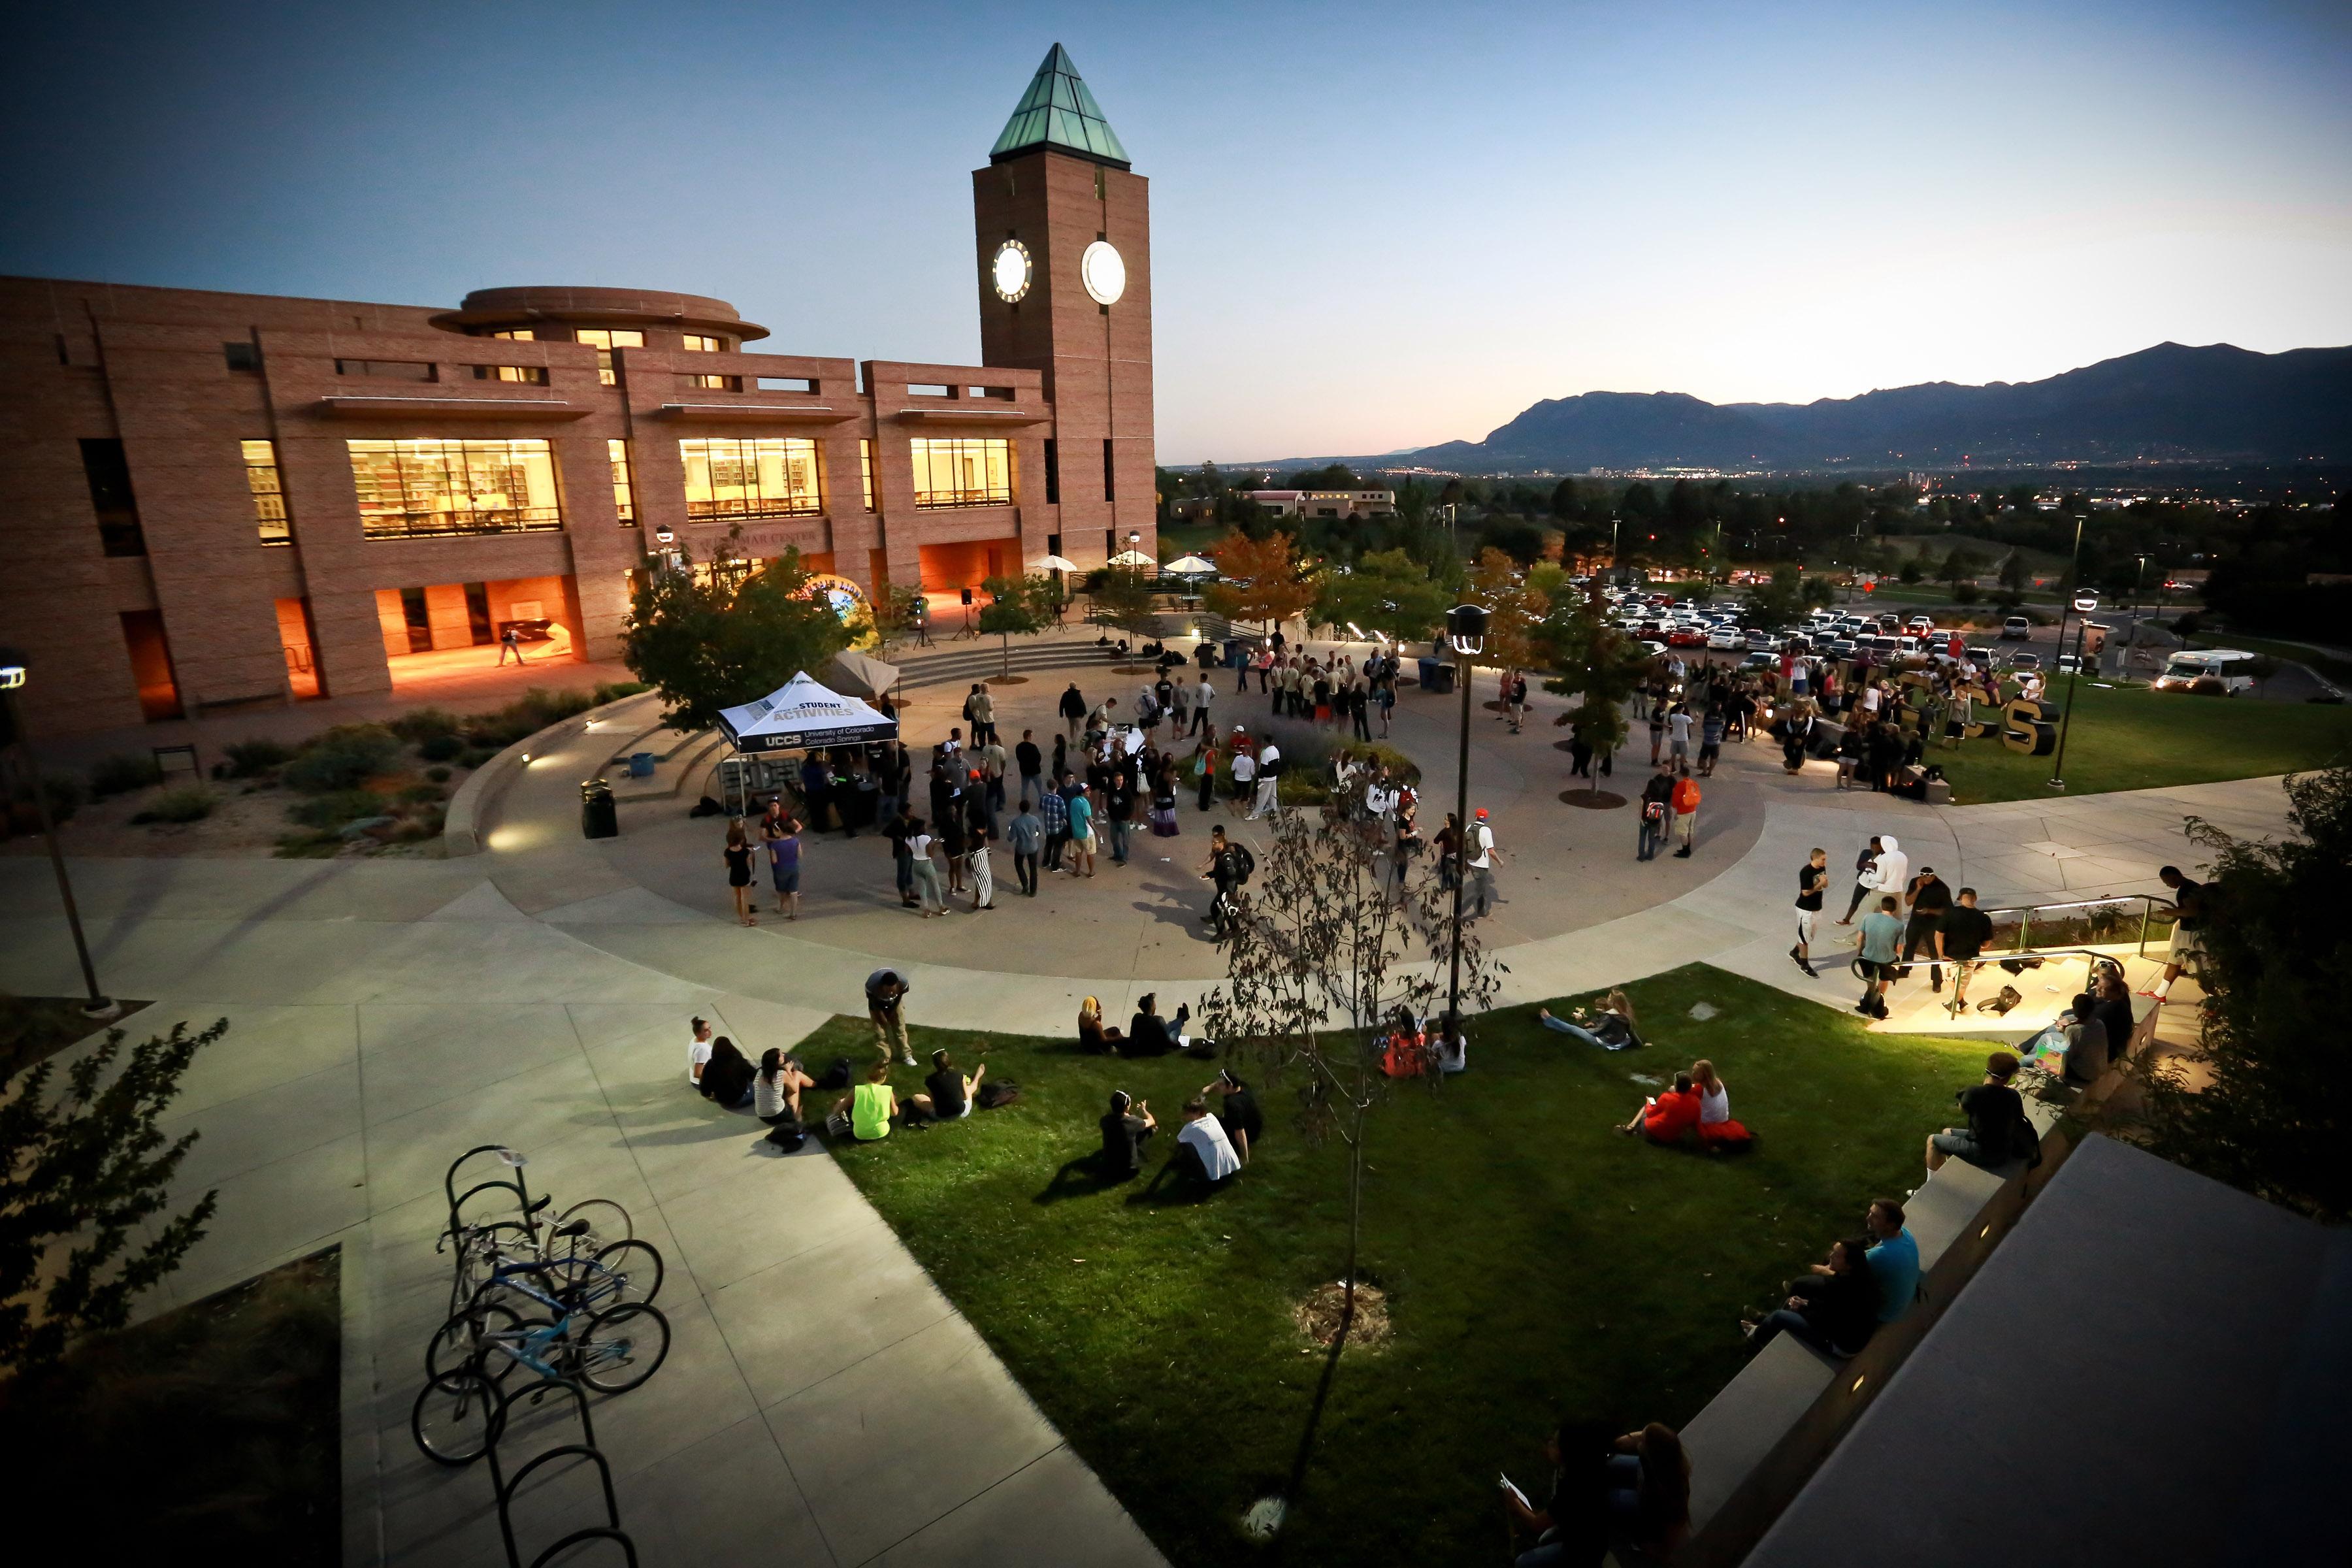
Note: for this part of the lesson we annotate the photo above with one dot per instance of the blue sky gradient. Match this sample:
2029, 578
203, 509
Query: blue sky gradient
1374, 225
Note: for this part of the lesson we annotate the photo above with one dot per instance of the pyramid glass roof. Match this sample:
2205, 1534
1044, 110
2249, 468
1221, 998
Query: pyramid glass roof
1058, 112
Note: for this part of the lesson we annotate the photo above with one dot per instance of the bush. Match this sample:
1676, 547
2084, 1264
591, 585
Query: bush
438, 775
535, 711
122, 773
475, 756
189, 802
1965, 593
334, 808
251, 759
614, 690
439, 748
421, 724
342, 759
424, 794
1380, 753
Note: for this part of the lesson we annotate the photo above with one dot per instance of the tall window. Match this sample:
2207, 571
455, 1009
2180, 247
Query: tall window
1111, 473
1053, 473
962, 471
269, 495
431, 485
697, 344
767, 475
605, 340
625, 500
866, 470
108, 473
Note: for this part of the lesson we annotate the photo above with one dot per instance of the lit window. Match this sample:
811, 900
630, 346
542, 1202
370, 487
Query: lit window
530, 375
519, 335
604, 341
697, 343
268, 494
767, 475
716, 383
625, 500
866, 470
962, 471
431, 485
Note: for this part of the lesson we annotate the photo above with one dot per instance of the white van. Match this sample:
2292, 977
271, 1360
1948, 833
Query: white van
2227, 665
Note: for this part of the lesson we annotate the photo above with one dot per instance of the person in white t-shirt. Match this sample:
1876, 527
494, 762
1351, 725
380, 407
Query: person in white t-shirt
1244, 771
1269, 783
698, 1052
1482, 855
1204, 1156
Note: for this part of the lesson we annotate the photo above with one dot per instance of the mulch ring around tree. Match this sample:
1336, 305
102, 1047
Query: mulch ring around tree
1318, 1315
1006, 680
1592, 799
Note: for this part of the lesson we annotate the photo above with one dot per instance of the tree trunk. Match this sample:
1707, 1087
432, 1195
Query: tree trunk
1005, 639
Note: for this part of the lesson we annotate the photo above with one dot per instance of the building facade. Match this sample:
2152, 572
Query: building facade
213, 500
1327, 503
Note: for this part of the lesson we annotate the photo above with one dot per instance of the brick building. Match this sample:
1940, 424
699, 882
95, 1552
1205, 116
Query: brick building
211, 499
1327, 503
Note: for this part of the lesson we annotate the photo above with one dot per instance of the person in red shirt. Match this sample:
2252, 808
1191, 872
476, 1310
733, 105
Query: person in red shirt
1668, 1117
1686, 804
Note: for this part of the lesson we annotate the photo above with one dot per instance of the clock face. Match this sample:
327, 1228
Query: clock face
1103, 273
1010, 270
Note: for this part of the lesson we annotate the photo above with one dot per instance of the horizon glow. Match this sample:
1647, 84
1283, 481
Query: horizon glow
1374, 228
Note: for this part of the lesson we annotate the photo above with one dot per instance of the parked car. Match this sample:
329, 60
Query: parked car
2024, 661
1686, 637
2017, 629
1726, 639
1920, 625
1651, 646
1842, 647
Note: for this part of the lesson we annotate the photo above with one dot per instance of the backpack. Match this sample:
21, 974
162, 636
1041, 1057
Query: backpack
1654, 810
997, 1095
787, 1136
2000, 1005
836, 1076
1244, 864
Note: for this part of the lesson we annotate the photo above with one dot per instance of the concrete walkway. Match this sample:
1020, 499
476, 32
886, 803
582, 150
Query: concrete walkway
823, 1402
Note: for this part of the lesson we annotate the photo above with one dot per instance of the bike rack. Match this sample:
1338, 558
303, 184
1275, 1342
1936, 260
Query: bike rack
594, 1532
518, 1187
610, 1530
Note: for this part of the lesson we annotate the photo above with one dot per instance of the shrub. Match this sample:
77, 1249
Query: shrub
1965, 593
475, 756
439, 748
250, 759
189, 802
535, 711
333, 809
421, 724
342, 759
122, 773
438, 775
1380, 753
614, 690
421, 793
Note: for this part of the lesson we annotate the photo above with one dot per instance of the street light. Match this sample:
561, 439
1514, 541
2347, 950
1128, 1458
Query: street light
13, 675
2084, 604
1465, 632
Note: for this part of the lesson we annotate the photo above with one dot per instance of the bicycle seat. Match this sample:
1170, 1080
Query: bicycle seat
577, 1228
540, 1203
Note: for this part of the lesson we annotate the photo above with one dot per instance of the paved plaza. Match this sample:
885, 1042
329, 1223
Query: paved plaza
823, 1402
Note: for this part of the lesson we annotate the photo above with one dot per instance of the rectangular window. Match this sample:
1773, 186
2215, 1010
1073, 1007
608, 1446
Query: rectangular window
604, 341
478, 613
429, 486
528, 375
866, 470
766, 476
962, 471
625, 500
241, 356
388, 369
108, 473
928, 389
519, 336
716, 383
268, 494
1053, 473
788, 384
697, 343
1110, 479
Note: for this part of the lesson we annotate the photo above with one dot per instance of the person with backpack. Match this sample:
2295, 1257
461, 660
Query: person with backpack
1997, 1130
1655, 794
1073, 709
1229, 867
1686, 804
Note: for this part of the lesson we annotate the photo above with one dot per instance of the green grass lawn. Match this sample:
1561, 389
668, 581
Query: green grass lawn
2136, 738
1537, 1261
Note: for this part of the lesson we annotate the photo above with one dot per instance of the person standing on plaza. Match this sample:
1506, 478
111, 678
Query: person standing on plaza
1245, 773
1032, 763
1930, 897
1710, 740
1657, 797
781, 833
1658, 706
2188, 951
738, 858
992, 761
1880, 941
1269, 781
1179, 705
1482, 856
1118, 811
1812, 877
1865, 877
1204, 770
897, 830
930, 896
1686, 804
983, 716
886, 996
1053, 810
1026, 835
1082, 832
1960, 937
1203, 694
1073, 709
981, 873
1678, 737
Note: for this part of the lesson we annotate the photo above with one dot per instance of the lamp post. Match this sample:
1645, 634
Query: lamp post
1465, 631
12, 733
2084, 604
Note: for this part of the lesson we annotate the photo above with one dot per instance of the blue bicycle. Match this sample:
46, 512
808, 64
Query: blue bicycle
460, 1410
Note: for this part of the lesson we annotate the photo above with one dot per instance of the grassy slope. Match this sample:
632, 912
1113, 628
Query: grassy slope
1538, 1262
2140, 739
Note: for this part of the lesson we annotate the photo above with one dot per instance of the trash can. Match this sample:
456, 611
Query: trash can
599, 818
641, 764
1436, 675
1233, 654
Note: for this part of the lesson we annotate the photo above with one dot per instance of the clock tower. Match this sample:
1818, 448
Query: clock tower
1063, 232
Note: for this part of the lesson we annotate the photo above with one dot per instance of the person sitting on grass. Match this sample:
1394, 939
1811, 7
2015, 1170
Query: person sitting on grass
1612, 1029
1245, 1122
1649, 1489
1149, 1035
776, 1092
1997, 1130
1126, 1129
1833, 1309
1666, 1117
1092, 1036
1572, 1528
952, 1092
1204, 1158
1718, 1132
1405, 1051
865, 1113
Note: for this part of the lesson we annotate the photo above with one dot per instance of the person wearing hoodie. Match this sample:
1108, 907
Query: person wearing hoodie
1892, 874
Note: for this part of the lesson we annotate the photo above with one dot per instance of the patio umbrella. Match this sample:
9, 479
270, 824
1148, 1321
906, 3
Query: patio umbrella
1191, 567
1133, 558
1058, 564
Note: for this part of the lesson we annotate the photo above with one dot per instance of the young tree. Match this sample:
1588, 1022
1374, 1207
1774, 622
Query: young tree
2274, 1019
893, 612
1513, 609
1261, 580
1959, 564
1017, 606
1593, 661
1126, 599
713, 640
1387, 591
81, 1172
1319, 961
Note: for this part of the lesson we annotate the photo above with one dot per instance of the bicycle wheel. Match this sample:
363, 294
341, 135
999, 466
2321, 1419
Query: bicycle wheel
607, 1220
633, 1271
456, 1419
466, 1344
622, 1348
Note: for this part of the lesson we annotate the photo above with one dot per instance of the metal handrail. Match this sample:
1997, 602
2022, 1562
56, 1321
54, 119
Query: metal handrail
2149, 903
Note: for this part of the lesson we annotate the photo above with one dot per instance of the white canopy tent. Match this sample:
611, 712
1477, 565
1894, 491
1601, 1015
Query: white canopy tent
803, 713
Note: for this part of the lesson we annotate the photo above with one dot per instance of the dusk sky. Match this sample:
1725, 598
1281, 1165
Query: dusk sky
1373, 226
